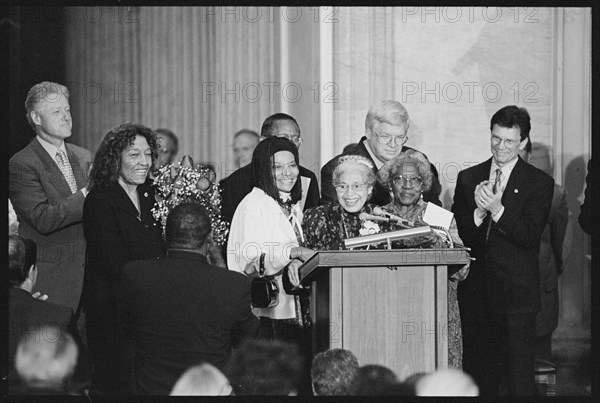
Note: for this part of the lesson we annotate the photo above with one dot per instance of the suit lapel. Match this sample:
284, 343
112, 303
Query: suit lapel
146, 197
516, 180
51, 170
122, 201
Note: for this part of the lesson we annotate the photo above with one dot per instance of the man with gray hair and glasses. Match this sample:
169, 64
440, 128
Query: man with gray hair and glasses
386, 128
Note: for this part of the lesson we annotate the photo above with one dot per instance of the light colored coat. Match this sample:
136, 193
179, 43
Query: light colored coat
259, 225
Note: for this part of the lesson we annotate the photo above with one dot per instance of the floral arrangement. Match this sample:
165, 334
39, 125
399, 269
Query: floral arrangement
182, 182
368, 227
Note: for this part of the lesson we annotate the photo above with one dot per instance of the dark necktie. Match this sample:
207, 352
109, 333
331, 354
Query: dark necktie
495, 189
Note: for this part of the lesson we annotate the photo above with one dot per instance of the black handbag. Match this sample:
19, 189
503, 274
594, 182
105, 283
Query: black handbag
264, 292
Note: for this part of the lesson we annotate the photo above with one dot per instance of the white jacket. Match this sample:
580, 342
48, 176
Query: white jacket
259, 226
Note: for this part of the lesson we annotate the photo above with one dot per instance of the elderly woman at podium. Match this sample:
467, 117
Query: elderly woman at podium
407, 176
325, 227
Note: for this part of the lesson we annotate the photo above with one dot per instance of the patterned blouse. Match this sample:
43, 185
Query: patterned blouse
325, 227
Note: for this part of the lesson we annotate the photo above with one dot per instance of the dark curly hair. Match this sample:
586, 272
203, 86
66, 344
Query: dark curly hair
107, 161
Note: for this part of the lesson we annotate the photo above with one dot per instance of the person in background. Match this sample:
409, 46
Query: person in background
554, 248
48, 183
119, 227
244, 143
447, 382
241, 182
202, 380
261, 367
27, 309
45, 361
332, 371
588, 216
168, 147
386, 128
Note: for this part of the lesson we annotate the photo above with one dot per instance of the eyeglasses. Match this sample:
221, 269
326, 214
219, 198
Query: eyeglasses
356, 187
385, 139
411, 180
295, 139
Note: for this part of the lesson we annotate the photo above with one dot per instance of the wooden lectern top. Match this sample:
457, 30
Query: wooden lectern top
381, 257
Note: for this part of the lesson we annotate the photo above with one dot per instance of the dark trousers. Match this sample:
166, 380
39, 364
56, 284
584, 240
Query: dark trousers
498, 350
111, 356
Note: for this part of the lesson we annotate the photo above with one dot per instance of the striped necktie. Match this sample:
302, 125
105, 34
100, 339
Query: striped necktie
66, 170
495, 189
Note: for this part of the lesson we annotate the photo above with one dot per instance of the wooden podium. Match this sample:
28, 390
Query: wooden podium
393, 317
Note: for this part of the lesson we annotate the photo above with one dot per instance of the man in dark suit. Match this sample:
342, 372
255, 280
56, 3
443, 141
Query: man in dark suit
180, 311
27, 310
47, 186
501, 207
237, 185
386, 126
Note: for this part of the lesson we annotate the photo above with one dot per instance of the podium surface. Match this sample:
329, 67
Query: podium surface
389, 307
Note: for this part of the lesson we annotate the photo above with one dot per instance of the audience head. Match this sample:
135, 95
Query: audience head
509, 128
407, 176
46, 358
386, 128
126, 153
202, 380
332, 371
447, 382
282, 125
353, 178
168, 146
372, 380
22, 257
244, 142
188, 225
275, 167
261, 367
48, 111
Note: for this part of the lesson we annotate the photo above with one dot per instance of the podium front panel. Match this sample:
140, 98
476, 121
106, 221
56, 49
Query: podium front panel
396, 318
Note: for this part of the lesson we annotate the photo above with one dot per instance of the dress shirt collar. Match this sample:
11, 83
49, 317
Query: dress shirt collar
506, 171
51, 148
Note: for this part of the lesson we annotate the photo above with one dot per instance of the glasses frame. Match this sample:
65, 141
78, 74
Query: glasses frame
411, 180
356, 187
378, 137
299, 141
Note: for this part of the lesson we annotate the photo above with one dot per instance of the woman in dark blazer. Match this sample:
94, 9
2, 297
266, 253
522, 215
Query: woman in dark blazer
118, 227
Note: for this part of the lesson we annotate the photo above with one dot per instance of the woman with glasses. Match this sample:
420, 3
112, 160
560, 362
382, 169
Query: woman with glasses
407, 176
325, 227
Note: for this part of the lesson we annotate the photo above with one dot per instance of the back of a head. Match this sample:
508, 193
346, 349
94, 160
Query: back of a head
202, 380
261, 367
447, 382
332, 371
372, 380
21, 256
271, 122
187, 227
46, 358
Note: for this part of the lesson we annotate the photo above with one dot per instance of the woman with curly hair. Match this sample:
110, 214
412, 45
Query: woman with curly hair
119, 227
328, 225
407, 176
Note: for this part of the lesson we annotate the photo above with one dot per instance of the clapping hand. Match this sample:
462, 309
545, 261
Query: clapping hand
38, 295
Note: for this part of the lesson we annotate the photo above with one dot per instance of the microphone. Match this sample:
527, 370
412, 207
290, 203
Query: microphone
391, 217
366, 216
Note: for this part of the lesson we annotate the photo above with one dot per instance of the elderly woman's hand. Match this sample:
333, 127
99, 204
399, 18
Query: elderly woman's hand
293, 274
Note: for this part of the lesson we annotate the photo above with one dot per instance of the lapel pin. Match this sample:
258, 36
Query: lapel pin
516, 190
145, 194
